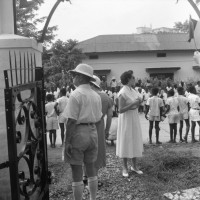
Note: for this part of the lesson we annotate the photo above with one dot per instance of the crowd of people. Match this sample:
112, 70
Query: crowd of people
85, 115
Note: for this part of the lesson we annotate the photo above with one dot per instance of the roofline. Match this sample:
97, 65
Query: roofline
95, 52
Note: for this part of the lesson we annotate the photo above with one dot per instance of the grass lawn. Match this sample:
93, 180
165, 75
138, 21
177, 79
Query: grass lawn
166, 168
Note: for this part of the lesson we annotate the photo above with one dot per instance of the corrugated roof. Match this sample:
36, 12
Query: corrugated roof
138, 42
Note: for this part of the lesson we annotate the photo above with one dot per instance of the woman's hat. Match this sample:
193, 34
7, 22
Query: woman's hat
97, 81
84, 69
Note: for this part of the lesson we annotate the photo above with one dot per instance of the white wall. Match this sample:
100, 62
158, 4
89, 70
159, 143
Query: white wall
139, 61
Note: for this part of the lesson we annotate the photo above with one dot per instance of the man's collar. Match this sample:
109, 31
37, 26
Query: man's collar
87, 86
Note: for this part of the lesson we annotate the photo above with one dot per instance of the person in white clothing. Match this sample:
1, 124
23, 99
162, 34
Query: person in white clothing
113, 84
173, 114
60, 105
154, 109
183, 111
129, 134
194, 101
197, 87
51, 119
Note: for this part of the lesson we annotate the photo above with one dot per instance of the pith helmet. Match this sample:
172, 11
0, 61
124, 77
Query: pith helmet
97, 81
84, 69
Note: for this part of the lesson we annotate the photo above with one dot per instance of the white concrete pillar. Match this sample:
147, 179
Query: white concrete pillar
9, 42
6, 17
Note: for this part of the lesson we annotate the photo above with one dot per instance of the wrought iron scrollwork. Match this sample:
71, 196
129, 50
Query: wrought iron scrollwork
25, 117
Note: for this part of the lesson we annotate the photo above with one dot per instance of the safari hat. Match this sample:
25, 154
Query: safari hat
97, 81
113, 78
84, 69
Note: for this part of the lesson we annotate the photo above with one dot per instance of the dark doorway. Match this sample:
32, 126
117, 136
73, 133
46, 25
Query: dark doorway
162, 75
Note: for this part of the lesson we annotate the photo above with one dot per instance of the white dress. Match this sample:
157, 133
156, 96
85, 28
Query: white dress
129, 134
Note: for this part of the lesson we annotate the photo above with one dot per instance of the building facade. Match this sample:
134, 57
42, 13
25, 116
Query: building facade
148, 55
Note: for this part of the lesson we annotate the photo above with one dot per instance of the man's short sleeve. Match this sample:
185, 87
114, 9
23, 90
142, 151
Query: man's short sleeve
72, 109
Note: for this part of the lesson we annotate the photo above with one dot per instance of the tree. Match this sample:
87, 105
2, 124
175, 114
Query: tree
65, 55
62, 57
182, 27
27, 22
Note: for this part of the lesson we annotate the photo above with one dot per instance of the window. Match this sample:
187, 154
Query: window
161, 54
94, 56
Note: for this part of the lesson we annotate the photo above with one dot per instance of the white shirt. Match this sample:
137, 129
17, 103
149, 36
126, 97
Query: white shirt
113, 83
194, 100
49, 109
84, 105
62, 103
173, 103
155, 103
183, 104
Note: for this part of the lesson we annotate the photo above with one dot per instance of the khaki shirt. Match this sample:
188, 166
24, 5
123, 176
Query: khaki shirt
84, 105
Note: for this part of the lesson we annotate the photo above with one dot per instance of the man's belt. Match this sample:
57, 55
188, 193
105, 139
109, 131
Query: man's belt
87, 124
196, 108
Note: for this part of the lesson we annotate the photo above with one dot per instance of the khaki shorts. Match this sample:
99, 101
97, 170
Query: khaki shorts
52, 123
184, 116
154, 118
175, 118
84, 143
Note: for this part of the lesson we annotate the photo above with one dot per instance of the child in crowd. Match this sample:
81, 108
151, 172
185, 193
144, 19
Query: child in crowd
154, 109
142, 96
60, 106
163, 96
112, 135
173, 114
169, 87
51, 119
194, 101
183, 113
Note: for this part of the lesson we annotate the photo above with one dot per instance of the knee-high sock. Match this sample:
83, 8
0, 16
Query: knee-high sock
93, 186
77, 188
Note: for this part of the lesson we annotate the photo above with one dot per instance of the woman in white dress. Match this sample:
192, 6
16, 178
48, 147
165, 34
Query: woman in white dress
129, 135
194, 101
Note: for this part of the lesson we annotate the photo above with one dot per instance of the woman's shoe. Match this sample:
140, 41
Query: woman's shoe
136, 170
125, 174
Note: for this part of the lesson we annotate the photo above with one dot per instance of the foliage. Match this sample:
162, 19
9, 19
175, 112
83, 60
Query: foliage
182, 27
62, 57
27, 22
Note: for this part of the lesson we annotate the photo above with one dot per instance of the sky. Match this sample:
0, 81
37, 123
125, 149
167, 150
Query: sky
85, 19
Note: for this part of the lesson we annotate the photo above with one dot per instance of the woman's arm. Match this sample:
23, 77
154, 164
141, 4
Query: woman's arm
123, 107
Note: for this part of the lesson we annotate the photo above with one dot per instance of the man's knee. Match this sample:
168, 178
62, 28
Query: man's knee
90, 169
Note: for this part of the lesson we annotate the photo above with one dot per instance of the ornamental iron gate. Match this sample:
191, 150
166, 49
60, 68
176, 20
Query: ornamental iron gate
25, 120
